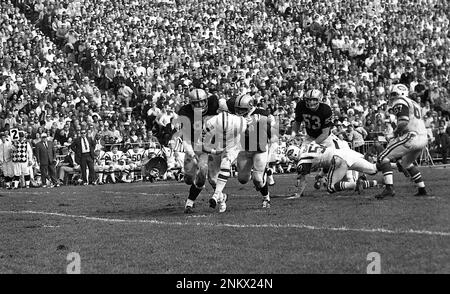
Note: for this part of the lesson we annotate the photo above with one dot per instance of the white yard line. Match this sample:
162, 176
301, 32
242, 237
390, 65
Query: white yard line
230, 225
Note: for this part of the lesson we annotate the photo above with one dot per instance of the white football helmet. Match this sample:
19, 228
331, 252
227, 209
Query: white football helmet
399, 90
293, 153
243, 104
199, 99
313, 99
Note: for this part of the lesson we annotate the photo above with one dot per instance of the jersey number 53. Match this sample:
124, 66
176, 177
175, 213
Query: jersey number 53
311, 121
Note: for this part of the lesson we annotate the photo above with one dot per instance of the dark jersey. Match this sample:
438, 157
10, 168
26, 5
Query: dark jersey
259, 131
188, 111
315, 120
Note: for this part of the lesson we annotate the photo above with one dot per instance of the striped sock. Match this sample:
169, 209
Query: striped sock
416, 176
369, 184
386, 169
222, 179
342, 186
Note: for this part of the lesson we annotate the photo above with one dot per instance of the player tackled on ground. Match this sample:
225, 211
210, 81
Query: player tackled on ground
338, 162
317, 117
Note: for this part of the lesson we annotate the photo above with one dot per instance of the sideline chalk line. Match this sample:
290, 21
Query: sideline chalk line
229, 225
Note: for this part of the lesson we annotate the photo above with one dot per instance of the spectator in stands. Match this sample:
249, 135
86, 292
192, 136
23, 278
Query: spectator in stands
137, 51
442, 142
374, 150
355, 138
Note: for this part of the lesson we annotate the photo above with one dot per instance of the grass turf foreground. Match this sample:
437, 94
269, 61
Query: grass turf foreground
141, 228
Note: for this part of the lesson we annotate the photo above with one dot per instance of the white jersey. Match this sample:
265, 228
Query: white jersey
138, 156
408, 110
224, 130
318, 156
114, 157
101, 158
152, 151
281, 149
5, 151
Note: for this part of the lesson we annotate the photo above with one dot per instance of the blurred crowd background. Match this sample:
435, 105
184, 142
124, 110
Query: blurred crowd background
121, 69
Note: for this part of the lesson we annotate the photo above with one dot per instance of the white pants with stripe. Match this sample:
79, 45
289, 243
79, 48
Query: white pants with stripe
407, 148
343, 167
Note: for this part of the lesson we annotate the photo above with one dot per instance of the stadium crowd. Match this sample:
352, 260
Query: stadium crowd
121, 69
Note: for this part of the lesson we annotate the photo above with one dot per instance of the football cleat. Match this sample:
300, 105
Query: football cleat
188, 209
212, 203
318, 182
387, 192
223, 203
266, 203
421, 192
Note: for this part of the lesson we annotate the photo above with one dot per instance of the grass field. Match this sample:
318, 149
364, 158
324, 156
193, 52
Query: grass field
141, 228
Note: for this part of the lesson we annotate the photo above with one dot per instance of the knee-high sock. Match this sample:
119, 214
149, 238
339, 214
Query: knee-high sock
193, 194
16, 181
416, 176
386, 169
8, 181
27, 180
265, 191
341, 186
222, 179
369, 184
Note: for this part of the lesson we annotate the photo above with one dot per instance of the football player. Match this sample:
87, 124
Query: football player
278, 156
252, 161
116, 160
191, 117
317, 118
6, 159
135, 159
222, 140
100, 166
153, 150
337, 161
174, 163
410, 137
